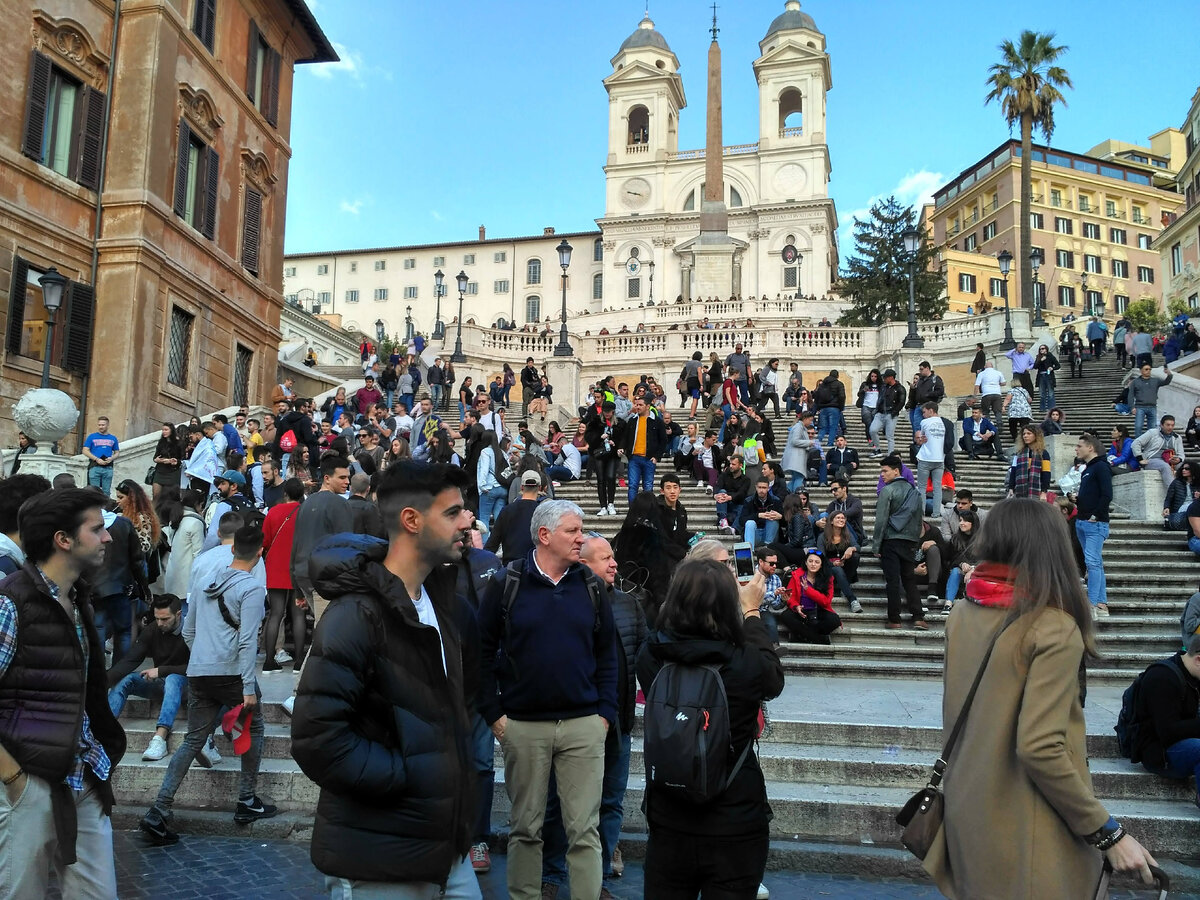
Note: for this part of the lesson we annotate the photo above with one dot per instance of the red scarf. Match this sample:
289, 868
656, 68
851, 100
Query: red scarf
992, 585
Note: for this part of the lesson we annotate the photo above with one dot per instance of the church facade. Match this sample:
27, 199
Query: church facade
781, 223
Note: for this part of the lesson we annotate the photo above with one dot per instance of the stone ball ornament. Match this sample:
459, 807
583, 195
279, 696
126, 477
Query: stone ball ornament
45, 414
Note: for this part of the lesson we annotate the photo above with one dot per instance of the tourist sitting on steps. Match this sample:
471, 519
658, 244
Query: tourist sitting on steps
809, 618
1168, 739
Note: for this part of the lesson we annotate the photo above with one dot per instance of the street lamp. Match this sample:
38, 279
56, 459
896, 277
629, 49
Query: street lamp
439, 291
408, 329
564, 259
912, 242
380, 331
651, 302
1005, 259
1087, 303
52, 283
458, 356
1035, 261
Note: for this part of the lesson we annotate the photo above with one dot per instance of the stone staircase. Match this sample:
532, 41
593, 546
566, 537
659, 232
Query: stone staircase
859, 722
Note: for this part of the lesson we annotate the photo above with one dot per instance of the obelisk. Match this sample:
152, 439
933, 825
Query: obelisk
713, 251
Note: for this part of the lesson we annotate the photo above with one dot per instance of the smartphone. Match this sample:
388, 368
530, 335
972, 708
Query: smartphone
743, 561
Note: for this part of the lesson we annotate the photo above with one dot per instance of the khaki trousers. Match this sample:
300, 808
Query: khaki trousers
575, 749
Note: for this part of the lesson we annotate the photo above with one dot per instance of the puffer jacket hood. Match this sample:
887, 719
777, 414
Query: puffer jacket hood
348, 563
667, 647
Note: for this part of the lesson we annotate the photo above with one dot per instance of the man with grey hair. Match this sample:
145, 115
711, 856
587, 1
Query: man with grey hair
549, 691
367, 518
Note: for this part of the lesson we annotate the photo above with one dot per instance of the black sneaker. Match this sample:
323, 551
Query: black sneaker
154, 826
250, 811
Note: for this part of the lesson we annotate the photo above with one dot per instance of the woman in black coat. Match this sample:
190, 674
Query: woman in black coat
719, 846
641, 552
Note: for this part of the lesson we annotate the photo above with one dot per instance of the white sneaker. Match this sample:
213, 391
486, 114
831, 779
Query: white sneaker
288, 704
208, 755
156, 750
283, 657
612, 509
602, 511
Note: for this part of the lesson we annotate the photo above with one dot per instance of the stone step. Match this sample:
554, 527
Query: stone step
877, 663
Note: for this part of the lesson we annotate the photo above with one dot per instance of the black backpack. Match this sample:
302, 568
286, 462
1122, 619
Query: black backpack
687, 743
912, 506
1132, 721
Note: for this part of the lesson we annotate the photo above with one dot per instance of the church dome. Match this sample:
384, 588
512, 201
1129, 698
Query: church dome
791, 19
646, 36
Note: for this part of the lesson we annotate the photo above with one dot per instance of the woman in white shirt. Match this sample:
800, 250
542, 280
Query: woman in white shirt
493, 496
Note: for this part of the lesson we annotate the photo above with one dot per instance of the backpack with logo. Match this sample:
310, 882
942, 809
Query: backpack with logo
687, 744
1133, 721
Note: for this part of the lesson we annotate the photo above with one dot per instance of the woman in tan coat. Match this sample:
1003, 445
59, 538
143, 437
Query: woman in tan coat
1021, 820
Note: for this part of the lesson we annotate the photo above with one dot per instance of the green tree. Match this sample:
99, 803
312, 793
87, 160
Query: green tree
1026, 83
1145, 315
875, 279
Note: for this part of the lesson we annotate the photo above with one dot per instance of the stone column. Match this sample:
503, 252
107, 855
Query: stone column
565, 374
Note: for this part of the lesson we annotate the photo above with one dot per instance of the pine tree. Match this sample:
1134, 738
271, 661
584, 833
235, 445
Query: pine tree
875, 280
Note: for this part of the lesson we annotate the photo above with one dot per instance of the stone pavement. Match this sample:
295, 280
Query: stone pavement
224, 868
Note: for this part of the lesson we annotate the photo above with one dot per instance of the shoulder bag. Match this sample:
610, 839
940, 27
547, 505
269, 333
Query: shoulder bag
921, 817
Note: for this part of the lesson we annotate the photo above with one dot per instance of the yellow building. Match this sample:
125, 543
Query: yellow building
1093, 221
1178, 244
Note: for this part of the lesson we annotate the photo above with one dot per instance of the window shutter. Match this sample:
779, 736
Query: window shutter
251, 61
181, 169
251, 230
16, 305
91, 129
212, 174
35, 106
80, 313
208, 20
271, 86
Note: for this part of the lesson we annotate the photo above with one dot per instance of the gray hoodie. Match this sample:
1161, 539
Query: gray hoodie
217, 648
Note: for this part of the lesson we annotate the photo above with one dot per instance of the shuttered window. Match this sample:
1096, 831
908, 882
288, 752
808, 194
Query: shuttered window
64, 121
251, 230
262, 75
241, 375
204, 22
197, 174
27, 321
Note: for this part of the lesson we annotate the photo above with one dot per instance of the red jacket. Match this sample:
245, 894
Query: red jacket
801, 594
278, 530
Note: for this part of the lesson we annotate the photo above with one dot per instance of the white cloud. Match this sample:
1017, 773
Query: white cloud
437, 216
350, 62
914, 189
353, 208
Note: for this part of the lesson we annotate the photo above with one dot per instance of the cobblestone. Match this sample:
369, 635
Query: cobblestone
225, 868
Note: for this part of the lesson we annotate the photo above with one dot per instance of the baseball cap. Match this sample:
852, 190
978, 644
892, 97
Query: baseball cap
232, 475
236, 724
889, 373
530, 476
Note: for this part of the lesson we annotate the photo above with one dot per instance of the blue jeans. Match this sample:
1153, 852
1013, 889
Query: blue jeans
114, 618
770, 530
640, 475
492, 501
407, 400
771, 624
827, 424
461, 410
1144, 419
842, 579
1123, 408
101, 477
795, 480
726, 411
1091, 537
435, 394
954, 580
484, 743
172, 690
559, 473
1183, 761
1194, 545
914, 417
1045, 393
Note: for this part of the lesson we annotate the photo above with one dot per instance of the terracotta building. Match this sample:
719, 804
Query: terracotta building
1094, 219
144, 153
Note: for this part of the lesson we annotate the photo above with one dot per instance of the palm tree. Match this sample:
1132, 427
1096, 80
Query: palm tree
1026, 83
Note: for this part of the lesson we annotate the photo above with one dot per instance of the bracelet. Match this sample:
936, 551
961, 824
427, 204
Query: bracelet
8, 781
1109, 842
1104, 832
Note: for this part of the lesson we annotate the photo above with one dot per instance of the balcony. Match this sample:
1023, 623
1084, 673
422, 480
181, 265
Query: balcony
1116, 214
727, 150
1139, 219
952, 229
797, 131
1060, 203
637, 148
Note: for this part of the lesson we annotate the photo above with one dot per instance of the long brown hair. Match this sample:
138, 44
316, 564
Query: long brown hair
1039, 439
134, 504
835, 535
1031, 538
702, 602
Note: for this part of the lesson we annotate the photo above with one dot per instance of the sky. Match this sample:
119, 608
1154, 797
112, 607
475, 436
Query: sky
442, 117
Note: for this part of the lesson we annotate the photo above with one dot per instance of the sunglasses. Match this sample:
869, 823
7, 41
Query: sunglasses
812, 551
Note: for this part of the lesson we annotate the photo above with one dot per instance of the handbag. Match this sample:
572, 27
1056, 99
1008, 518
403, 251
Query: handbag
921, 817
150, 473
1161, 882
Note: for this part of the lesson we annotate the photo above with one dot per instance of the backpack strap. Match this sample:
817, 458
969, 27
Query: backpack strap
512, 583
741, 760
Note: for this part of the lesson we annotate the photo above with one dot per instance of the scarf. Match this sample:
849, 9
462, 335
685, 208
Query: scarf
992, 585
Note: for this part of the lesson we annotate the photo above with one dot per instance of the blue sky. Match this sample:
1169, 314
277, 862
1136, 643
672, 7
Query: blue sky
445, 116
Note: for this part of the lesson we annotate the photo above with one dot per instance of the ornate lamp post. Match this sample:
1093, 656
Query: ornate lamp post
458, 356
651, 301
408, 329
1005, 259
564, 347
912, 242
1035, 261
1087, 305
380, 331
439, 291
52, 283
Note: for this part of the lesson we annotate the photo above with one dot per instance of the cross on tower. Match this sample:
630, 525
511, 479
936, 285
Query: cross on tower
715, 29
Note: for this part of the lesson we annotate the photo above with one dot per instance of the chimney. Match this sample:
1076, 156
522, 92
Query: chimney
482, 233
547, 231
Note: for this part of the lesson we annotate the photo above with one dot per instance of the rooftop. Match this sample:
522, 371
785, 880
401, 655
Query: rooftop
790, 19
591, 235
645, 36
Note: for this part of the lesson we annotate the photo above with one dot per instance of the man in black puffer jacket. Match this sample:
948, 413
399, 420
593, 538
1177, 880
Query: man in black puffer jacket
381, 722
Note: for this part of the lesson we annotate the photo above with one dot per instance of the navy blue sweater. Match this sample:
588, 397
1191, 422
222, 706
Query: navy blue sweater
552, 664
1095, 491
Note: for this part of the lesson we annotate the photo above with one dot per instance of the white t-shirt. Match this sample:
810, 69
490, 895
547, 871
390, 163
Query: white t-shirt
934, 449
427, 616
989, 381
871, 398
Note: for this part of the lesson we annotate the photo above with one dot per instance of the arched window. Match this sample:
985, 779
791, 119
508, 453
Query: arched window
689, 205
735, 199
502, 323
639, 126
533, 308
533, 271
598, 250
598, 286
791, 113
